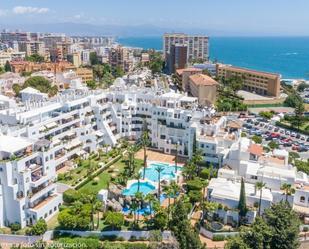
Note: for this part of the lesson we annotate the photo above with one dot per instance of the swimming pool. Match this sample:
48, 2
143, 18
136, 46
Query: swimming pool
144, 187
168, 172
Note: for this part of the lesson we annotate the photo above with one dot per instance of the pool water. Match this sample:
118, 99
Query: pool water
168, 172
146, 210
144, 187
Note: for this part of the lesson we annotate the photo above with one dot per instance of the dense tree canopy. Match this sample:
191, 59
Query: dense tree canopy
35, 58
156, 62
39, 83
293, 99
278, 229
186, 236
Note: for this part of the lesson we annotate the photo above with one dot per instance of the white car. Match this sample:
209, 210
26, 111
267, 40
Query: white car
303, 138
293, 134
287, 133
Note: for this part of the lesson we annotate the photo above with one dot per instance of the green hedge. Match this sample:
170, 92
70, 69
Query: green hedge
291, 128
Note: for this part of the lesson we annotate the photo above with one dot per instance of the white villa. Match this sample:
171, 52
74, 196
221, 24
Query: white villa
248, 160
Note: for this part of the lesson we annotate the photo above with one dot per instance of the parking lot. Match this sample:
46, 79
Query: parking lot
286, 139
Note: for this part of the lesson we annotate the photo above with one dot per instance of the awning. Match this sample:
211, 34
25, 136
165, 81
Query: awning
56, 142
99, 133
72, 144
80, 153
51, 125
42, 128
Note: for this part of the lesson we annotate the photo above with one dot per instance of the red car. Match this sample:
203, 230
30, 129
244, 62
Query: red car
275, 135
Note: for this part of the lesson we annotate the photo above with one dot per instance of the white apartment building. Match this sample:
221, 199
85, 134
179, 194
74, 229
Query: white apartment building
48, 134
27, 191
198, 45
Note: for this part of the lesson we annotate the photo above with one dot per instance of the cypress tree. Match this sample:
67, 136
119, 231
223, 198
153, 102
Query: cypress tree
194, 147
242, 207
7, 67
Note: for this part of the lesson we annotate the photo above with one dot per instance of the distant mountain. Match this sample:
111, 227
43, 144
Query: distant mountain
114, 30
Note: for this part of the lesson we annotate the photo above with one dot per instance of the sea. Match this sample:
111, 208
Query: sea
288, 56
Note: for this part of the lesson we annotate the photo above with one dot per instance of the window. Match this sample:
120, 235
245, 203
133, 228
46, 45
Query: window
302, 199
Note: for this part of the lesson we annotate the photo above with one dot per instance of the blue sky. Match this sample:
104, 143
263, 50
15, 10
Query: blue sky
288, 17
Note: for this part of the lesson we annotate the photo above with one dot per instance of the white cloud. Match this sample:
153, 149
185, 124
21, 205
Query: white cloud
29, 10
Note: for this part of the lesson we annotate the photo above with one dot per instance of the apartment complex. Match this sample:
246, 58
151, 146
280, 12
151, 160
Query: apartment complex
262, 83
121, 57
182, 76
85, 74
204, 88
197, 45
32, 47
42, 137
11, 55
27, 66
176, 58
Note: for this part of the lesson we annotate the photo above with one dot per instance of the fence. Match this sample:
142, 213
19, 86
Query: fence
18, 239
211, 235
125, 235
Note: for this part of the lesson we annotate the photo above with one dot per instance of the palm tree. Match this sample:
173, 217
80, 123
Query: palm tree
287, 188
260, 186
189, 170
134, 208
197, 158
145, 142
77, 206
159, 169
209, 207
131, 159
138, 177
97, 206
139, 199
150, 199
169, 192
90, 198
204, 184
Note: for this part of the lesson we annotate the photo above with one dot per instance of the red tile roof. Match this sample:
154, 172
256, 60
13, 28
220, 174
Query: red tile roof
255, 149
202, 79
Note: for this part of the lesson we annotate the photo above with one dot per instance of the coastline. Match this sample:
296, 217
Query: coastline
288, 56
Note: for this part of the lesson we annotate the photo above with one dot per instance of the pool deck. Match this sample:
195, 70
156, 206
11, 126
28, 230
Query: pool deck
159, 157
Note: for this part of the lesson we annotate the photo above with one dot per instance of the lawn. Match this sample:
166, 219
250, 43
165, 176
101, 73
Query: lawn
53, 223
102, 180
84, 168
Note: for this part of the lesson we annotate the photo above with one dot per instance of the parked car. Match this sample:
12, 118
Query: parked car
302, 149
293, 134
287, 133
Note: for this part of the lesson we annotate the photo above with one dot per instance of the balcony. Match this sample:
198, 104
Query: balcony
43, 189
45, 203
175, 126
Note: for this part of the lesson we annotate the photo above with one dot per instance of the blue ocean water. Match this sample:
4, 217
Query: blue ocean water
288, 56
